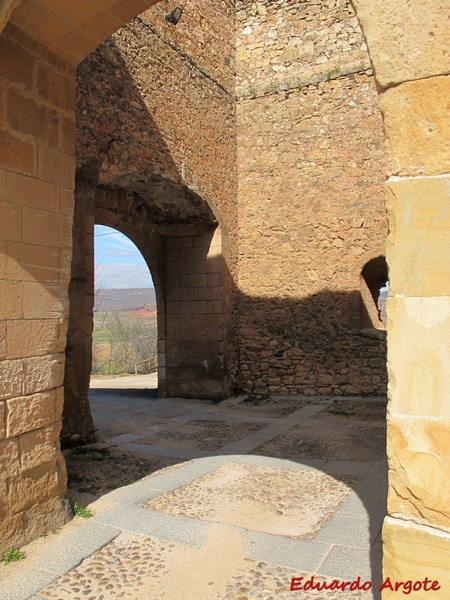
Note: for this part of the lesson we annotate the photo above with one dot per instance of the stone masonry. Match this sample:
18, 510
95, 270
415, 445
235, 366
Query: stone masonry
310, 199
256, 121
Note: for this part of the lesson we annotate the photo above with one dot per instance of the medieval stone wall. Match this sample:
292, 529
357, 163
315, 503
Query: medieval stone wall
310, 198
37, 98
158, 99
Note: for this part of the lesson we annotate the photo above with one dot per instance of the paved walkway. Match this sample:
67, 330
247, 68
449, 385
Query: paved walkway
255, 502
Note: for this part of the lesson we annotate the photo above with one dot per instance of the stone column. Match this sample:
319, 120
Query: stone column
78, 426
408, 53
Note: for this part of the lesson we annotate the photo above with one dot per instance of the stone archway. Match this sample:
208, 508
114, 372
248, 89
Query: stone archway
179, 238
39, 53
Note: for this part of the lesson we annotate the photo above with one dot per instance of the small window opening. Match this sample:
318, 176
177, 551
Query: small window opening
374, 291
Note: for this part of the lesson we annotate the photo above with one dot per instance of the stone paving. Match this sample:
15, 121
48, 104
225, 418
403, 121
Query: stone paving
229, 521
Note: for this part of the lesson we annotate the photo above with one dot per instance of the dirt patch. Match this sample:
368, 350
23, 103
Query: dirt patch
290, 502
329, 437
204, 435
264, 406
370, 410
101, 470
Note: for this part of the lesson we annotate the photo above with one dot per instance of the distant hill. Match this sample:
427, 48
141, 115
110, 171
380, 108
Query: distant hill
115, 300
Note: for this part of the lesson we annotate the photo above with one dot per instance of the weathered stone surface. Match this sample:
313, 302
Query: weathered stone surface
30, 412
411, 553
39, 447
28, 262
281, 46
31, 487
11, 532
46, 517
9, 457
32, 338
310, 197
418, 244
10, 299
44, 300
419, 356
419, 464
2, 420
43, 373
11, 374
406, 40
417, 126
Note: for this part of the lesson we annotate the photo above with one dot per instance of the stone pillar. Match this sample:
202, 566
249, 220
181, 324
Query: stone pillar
78, 426
37, 132
195, 319
408, 45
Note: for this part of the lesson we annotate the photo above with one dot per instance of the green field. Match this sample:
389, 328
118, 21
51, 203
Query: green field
122, 341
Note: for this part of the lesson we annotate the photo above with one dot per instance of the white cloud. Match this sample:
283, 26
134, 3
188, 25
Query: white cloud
123, 275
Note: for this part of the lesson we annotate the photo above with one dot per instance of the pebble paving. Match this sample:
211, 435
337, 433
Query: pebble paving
136, 568
292, 502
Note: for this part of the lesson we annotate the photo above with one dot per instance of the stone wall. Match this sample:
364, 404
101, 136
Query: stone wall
310, 199
156, 121
37, 96
158, 99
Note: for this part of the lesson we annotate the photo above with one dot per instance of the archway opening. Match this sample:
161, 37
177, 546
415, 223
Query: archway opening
374, 288
124, 340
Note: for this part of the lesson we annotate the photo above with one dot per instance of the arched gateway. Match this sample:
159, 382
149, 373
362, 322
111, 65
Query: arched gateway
41, 44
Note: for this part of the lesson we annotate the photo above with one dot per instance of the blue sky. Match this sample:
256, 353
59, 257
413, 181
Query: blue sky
118, 263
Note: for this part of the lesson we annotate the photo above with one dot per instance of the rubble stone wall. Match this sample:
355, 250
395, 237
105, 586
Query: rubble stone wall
311, 165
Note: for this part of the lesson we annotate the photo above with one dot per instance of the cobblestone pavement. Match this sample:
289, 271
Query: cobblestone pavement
253, 493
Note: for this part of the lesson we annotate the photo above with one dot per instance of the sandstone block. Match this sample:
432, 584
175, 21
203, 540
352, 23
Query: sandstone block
31, 487
56, 167
56, 87
46, 517
195, 280
2, 184
2, 420
17, 64
10, 221
419, 464
17, 154
30, 191
11, 532
10, 299
11, 374
417, 127
27, 117
413, 552
59, 403
32, 338
405, 41
30, 412
42, 373
418, 244
39, 447
194, 307
46, 228
9, 457
44, 300
67, 135
419, 356
27, 262
2, 340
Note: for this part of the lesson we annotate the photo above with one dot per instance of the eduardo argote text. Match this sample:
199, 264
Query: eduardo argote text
405, 587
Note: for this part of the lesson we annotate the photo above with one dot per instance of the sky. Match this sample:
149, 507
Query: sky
118, 263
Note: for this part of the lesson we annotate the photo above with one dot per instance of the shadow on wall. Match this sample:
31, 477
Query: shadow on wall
311, 345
